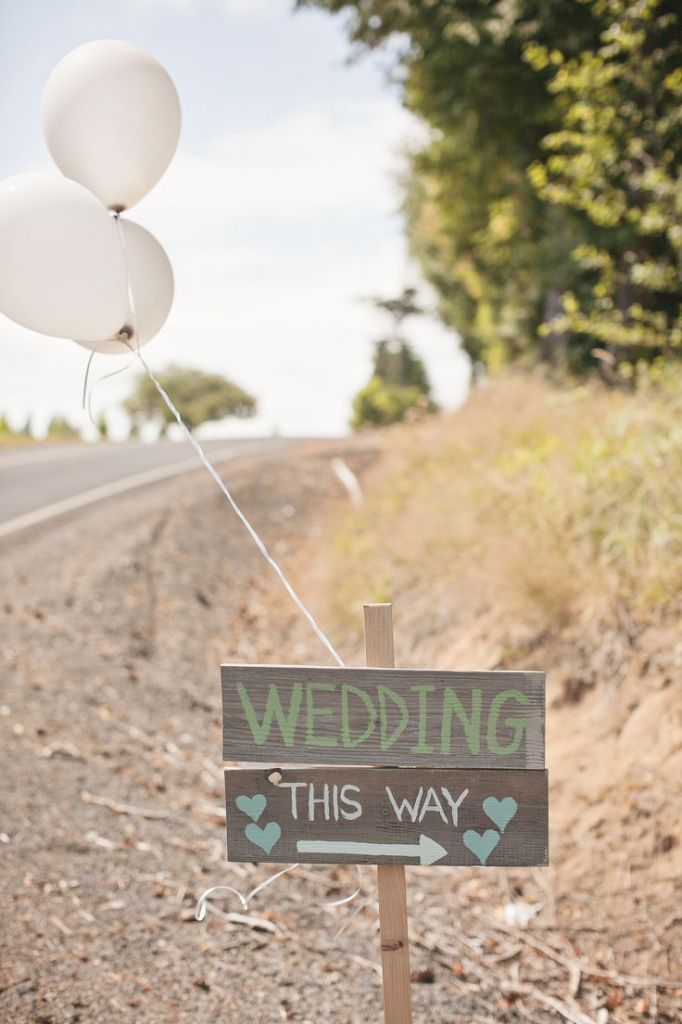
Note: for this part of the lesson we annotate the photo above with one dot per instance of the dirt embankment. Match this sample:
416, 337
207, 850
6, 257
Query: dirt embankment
540, 529
113, 626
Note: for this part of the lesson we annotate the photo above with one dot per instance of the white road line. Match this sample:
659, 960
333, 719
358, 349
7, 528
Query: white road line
150, 476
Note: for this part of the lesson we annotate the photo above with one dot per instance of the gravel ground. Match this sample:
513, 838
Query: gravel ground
114, 625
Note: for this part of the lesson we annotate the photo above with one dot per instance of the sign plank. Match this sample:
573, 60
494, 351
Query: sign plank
485, 817
361, 716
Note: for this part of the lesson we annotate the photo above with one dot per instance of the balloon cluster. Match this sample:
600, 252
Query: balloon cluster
70, 267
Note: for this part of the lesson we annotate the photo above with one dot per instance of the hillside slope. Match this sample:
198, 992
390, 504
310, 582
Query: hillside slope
542, 529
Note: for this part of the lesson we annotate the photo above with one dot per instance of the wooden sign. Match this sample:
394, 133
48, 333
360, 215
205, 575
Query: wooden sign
383, 716
467, 817
470, 787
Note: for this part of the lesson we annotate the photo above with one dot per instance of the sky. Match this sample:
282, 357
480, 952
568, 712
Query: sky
279, 212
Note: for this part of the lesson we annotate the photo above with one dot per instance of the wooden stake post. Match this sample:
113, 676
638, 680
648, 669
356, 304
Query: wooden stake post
395, 950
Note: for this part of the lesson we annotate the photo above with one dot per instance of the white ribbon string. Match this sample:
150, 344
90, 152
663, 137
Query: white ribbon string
211, 469
86, 397
202, 902
88, 391
240, 515
348, 899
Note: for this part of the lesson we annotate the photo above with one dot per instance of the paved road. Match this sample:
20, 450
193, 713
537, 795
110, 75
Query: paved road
40, 482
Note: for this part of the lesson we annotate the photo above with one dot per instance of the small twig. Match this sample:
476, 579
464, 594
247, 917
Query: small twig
520, 1008
97, 840
510, 954
573, 1016
13, 984
257, 924
574, 964
212, 810
363, 962
117, 808
575, 977
64, 929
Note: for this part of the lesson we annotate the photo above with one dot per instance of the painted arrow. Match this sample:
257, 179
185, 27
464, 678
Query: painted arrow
427, 850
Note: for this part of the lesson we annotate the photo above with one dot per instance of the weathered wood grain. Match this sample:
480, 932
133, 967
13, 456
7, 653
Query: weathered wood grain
269, 820
391, 885
377, 716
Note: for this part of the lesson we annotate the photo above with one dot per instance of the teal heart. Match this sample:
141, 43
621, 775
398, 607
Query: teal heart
252, 806
266, 837
500, 812
480, 845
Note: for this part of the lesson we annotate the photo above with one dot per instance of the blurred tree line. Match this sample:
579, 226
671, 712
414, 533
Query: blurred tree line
59, 428
199, 397
546, 206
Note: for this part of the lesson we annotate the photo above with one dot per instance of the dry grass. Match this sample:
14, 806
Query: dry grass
543, 503
540, 528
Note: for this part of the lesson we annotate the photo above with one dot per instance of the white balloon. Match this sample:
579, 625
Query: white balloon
62, 269
111, 118
151, 284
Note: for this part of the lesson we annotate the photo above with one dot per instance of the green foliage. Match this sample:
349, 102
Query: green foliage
199, 397
572, 509
616, 159
380, 404
5, 428
544, 207
399, 385
496, 255
396, 364
59, 429
399, 382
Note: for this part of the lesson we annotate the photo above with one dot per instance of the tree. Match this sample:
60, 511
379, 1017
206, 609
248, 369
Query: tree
615, 160
399, 381
60, 429
396, 363
545, 206
379, 404
400, 308
199, 397
496, 254
102, 427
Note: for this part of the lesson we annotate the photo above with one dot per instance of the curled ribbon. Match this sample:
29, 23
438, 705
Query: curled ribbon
203, 903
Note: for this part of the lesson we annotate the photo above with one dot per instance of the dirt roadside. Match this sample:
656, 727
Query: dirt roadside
114, 624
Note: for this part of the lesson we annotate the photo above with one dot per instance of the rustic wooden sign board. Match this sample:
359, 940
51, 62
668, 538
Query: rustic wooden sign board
470, 789
383, 716
388, 816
